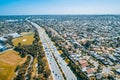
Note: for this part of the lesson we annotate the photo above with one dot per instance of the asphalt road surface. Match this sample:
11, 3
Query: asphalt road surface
51, 50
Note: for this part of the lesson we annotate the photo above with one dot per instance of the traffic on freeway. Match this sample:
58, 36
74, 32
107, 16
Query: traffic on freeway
52, 55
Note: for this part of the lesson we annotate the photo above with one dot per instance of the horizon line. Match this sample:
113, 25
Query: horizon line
50, 14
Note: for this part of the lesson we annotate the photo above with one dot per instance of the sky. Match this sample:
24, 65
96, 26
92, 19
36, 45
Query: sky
38, 7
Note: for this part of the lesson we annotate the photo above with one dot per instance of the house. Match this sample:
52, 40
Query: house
112, 58
83, 63
2, 48
116, 55
91, 70
118, 71
14, 35
99, 76
117, 67
2, 39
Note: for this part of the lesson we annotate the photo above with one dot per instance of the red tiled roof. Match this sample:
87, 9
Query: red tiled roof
84, 65
82, 61
91, 70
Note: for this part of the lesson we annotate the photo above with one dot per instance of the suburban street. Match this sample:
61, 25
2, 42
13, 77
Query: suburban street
50, 51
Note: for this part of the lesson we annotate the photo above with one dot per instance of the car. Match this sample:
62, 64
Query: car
55, 74
53, 71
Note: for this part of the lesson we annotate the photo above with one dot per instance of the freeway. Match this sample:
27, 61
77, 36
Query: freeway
66, 70
56, 73
51, 51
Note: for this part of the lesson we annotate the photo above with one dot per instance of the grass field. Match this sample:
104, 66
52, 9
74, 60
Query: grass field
27, 39
8, 62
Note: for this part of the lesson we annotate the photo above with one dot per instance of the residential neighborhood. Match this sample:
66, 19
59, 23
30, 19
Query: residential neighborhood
91, 42
85, 47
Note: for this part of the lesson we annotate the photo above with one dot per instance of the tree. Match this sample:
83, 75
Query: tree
87, 44
47, 73
19, 44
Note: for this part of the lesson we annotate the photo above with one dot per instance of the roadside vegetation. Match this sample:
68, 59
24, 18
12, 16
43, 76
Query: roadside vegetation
42, 71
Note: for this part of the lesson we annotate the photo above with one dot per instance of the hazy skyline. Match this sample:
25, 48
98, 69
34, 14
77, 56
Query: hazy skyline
32, 7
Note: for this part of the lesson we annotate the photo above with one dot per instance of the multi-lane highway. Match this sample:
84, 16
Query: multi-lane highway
66, 70
52, 55
56, 73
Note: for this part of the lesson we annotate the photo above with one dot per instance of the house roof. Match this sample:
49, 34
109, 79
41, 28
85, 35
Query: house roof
3, 39
82, 61
118, 70
15, 35
91, 70
84, 65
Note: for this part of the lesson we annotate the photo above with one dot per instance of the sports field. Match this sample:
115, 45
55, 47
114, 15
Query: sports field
8, 62
27, 39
